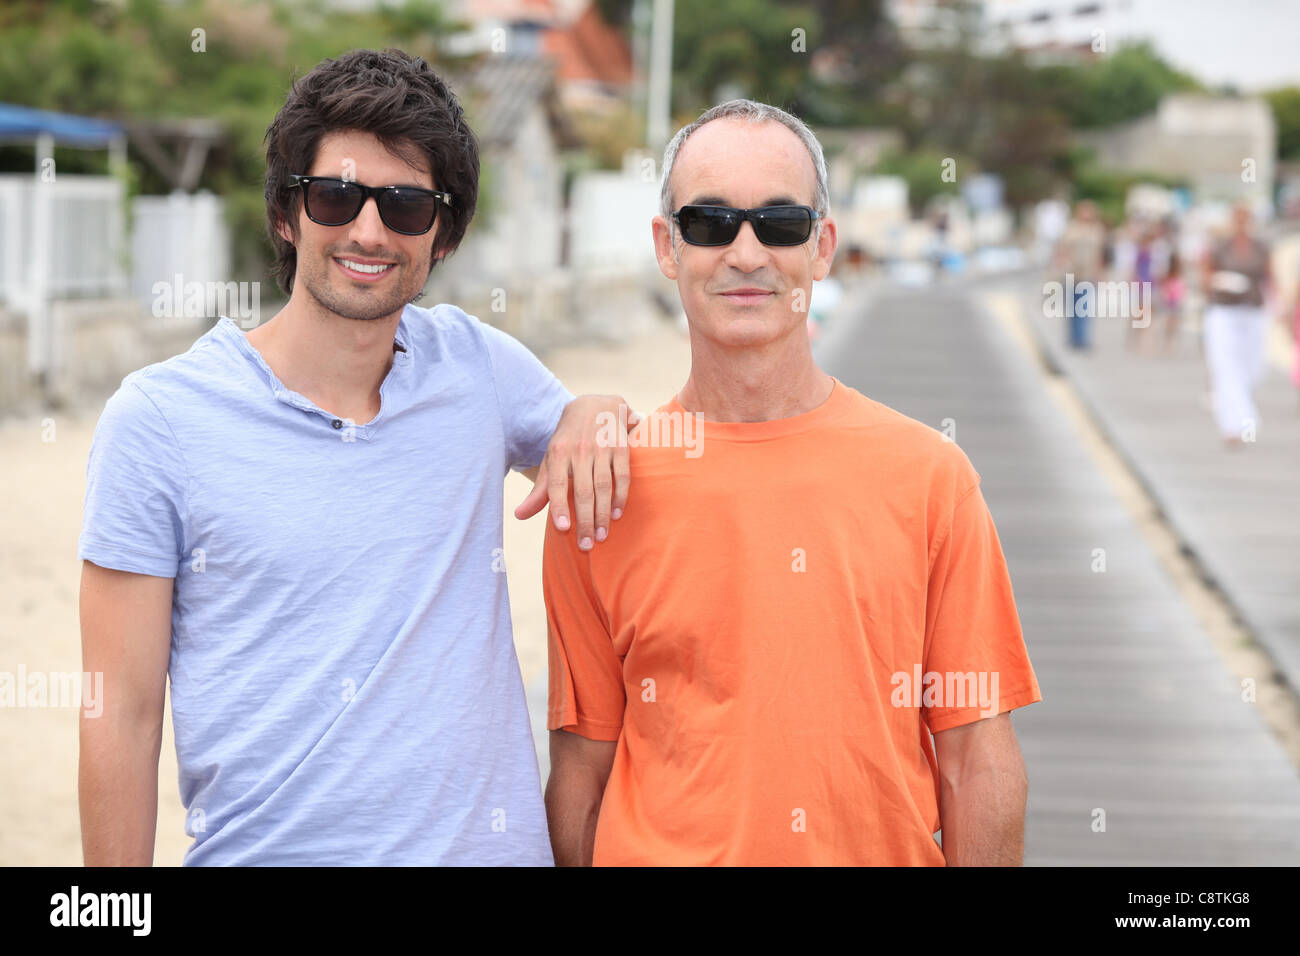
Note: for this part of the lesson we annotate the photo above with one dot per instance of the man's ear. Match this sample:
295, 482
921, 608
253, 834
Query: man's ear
826, 242
438, 250
285, 233
659, 228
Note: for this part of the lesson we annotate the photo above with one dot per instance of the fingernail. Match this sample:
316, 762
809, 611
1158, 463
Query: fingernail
618, 513
562, 522
601, 534
585, 544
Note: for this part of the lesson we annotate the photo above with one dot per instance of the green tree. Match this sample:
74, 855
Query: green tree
922, 170
742, 48
1285, 104
1115, 87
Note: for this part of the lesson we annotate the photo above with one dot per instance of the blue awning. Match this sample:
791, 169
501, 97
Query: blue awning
22, 123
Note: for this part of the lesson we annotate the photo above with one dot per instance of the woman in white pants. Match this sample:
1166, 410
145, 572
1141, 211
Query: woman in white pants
1237, 281
1234, 348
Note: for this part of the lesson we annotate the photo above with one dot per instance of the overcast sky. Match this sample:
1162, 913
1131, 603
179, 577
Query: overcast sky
1254, 44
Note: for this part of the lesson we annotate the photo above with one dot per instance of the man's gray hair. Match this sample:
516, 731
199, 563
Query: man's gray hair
752, 112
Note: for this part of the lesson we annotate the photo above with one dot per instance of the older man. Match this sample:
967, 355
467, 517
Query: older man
803, 592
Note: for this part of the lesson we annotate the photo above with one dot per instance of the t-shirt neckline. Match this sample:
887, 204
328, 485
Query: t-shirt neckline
836, 404
401, 358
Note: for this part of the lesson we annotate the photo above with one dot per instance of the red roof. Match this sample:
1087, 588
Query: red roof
510, 10
589, 49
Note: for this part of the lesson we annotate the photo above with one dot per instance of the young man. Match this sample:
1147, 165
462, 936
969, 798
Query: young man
808, 588
302, 526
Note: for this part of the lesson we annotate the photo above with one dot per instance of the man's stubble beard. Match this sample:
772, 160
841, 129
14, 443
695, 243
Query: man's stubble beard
360, 305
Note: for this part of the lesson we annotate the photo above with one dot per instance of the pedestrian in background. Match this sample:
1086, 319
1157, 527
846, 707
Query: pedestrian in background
1145, 274
1173, 293
1082, 253
1237, 280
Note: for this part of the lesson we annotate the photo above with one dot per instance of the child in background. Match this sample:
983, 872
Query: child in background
1173, 292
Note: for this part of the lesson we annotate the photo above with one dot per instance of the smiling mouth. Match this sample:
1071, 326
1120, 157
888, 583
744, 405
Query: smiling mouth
364, 270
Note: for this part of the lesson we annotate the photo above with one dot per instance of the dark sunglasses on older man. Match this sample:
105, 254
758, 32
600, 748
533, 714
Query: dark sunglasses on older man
719, 225
408, 210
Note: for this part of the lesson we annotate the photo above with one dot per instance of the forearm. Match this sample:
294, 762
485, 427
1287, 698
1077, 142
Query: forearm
572, 808
118, 791
983, 817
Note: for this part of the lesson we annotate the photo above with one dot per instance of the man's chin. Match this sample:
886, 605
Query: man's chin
742, 329
367, 312
361, 305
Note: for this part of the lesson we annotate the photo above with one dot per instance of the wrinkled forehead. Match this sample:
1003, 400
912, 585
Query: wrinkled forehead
739, 163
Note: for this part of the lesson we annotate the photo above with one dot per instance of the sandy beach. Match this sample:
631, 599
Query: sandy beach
42, 486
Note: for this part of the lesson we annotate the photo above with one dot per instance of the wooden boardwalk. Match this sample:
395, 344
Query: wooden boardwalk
1140, 718
1237, 512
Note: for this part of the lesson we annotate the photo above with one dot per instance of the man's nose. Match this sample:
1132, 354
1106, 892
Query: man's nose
368, 229
746, 253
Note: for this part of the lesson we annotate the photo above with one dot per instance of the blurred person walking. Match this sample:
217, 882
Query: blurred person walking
1295, 350
1151, 270
1082, 254
1289, 316
1237, 278
1173, 293
1144, 274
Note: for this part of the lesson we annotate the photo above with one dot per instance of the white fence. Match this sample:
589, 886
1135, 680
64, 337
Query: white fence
83, 232
66, 239
178, 235
60, 238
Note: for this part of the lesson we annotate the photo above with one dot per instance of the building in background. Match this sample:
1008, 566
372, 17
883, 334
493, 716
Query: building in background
593, 60
1225, 148
513, 107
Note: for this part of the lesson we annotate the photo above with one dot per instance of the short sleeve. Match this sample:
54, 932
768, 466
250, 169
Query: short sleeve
974, 648
586, 694
529, 396
136, 480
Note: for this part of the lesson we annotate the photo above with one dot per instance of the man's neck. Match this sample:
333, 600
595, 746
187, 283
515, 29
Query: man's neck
749, 384
337, 363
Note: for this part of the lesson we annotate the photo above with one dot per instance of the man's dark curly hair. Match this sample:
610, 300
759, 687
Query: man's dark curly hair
397, 98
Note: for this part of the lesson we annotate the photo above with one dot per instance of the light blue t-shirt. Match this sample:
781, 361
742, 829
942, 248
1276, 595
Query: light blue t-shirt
344, 683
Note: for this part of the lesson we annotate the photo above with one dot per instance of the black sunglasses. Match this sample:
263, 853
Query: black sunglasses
719, 225
408, 210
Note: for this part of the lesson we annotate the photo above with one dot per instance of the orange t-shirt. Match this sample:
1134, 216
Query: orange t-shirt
783, 615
